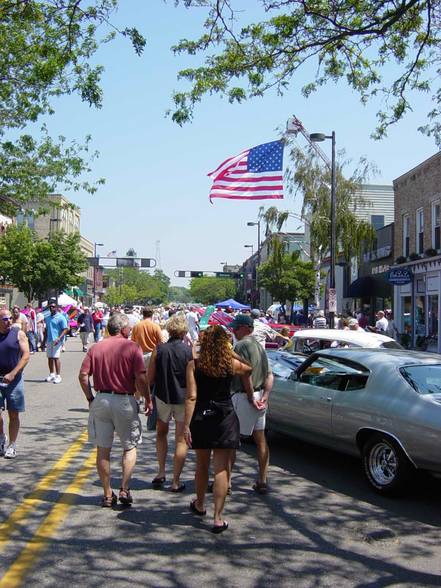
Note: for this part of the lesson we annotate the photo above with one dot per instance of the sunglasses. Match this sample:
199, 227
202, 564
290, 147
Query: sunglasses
52, 307
6, 318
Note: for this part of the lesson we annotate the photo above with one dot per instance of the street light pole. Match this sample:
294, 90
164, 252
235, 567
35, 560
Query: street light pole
95, 245
333, 244
257, 224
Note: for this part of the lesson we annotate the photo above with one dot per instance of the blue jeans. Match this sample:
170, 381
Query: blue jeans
12, 395
32, 341
97, 332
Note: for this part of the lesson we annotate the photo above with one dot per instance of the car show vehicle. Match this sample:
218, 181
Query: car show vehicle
310, 340
381, 404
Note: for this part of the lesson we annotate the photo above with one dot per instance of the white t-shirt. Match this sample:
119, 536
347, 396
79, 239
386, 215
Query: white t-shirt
193, 321
381, 324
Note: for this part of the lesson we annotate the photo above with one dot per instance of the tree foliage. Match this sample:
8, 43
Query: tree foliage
208, 290
286, 276
313, 180
47, 49
350, 40
35, 266
179, 294
133, 286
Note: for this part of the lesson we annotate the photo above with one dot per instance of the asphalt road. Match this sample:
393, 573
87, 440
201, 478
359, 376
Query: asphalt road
320, 526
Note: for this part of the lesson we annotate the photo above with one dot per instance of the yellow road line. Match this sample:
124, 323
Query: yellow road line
15, 575
24, 508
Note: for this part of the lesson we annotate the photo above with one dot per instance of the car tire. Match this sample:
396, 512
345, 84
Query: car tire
386, 466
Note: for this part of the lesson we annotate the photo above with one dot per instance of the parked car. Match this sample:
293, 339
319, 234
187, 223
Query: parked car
310, 340
381, 404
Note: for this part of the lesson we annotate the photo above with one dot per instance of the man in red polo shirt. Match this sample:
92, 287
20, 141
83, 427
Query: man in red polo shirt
117, 367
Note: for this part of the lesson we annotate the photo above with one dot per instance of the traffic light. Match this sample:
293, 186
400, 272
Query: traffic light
196, 274
237, 275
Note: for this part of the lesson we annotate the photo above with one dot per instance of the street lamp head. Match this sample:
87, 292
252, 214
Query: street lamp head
317, 137
99, 244
248, 246
251, 224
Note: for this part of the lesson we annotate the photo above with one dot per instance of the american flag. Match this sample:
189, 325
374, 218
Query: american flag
254, 174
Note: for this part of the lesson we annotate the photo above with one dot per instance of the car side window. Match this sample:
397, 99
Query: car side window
330, 373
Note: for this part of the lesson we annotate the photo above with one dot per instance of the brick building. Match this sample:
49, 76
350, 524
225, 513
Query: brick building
418, 251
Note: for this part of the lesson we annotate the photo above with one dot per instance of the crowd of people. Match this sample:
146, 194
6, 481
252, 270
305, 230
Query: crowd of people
213, 384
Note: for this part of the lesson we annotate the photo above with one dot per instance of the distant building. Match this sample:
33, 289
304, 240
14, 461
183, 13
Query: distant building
62, 215
418, 253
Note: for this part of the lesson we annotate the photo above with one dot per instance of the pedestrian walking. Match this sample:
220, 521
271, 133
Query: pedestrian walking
14, 355
211, 424
31, 328
167, 371
56, 329
117, 368
193, 323
19, 319
320, 321
251, 404
85, 322
97, 317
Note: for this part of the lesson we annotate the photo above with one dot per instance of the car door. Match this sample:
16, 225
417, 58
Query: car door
315, 388
280, 411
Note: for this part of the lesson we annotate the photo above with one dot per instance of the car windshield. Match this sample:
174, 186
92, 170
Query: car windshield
391, 345
425, 379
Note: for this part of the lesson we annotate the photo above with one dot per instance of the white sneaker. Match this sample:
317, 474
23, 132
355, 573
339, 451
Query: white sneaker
50, 378
11, 452
57, 379
3, 442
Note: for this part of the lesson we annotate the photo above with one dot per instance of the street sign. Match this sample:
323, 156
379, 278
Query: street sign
400, 276
148, 262
125, 262
332, 300
224, 275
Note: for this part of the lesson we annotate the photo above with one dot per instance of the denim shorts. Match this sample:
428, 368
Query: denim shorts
12, 396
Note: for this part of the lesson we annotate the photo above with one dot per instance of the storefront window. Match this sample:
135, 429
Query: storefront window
420, 316
406, 306
433, 321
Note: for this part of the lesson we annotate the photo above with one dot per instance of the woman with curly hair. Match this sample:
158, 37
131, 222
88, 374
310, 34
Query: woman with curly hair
210, 423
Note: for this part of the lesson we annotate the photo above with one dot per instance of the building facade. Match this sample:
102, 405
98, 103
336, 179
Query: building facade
418, 253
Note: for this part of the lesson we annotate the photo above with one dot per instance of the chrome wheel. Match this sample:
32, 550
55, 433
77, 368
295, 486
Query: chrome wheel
383, 463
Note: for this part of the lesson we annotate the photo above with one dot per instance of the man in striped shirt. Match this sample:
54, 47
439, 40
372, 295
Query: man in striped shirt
320, 321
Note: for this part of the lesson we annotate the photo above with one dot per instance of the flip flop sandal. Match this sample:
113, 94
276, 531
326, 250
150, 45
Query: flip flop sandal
195, 510
109, 501
125, 496
216, 529
158, 482
260, 488
179, 489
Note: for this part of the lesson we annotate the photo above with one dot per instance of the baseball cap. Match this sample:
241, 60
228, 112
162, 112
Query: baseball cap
255, 313
241, 320
352, 322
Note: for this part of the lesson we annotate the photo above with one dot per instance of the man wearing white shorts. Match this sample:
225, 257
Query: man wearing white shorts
56, 329
251, 405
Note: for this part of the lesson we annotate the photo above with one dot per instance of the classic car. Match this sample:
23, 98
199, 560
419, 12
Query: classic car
381, 404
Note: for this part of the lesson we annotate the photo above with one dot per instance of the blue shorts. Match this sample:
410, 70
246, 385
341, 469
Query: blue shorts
13, 396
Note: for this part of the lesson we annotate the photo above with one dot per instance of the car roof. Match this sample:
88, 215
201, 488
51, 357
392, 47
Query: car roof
376, 356
362, 338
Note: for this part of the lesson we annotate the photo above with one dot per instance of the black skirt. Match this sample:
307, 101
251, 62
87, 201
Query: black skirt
215, 426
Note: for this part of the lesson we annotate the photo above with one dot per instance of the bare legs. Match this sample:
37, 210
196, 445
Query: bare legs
54, 365
14, 425
128, 464
221, 465
162, 448
103, 467
262, 455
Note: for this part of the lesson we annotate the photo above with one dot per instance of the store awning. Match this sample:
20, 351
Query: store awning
78, 291
370, 287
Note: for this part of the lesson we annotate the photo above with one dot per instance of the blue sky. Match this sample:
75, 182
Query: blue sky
156, 172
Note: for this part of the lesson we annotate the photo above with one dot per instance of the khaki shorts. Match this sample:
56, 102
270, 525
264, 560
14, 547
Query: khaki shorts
114, 412
53, 351
250, 418
166, 411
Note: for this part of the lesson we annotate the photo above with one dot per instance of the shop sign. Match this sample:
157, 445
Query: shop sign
400, 276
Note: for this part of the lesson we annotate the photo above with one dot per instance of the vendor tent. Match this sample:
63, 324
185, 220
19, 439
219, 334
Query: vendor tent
231, 303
